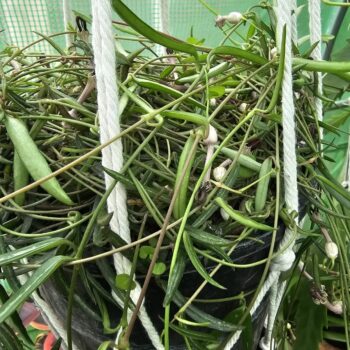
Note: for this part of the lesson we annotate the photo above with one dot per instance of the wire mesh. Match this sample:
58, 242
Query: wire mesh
20, 19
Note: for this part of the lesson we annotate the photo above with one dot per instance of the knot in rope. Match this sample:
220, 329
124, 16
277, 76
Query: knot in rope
283, 262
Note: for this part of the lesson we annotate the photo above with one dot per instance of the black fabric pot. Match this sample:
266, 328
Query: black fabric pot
235, 280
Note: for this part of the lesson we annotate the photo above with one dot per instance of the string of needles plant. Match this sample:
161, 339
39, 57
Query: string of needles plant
202, 169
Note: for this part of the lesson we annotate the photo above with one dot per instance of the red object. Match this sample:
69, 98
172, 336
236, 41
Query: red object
49, 341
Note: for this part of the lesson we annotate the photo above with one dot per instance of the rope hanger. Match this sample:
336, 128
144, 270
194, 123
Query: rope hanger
112, 156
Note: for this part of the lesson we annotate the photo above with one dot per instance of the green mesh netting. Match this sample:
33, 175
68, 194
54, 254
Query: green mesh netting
20, 19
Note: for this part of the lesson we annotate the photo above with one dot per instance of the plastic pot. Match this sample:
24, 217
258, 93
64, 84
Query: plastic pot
235, 280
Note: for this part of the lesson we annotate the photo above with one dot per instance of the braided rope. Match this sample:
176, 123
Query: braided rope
67, 17
285, 13
271, 279
285, 10
112, 156
316, 37
160, 17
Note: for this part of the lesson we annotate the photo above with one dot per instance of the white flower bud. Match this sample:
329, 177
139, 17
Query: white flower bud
224, 215
76, 89
242, 107
331, 250
273, 52
219, 173
234, 17
345, 184
337, 307
220, 21
212, 102
212, 137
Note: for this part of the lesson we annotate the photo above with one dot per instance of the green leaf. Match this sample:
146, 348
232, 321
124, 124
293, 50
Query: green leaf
122, 282
152, 85
166, 72
33, 282
188, 116
196, 262
16, 320
8, 339
120, 177
336, 190
106, 345
216, 91
194, 41
310, 320
104, 314
236, 52
187, 332
52, 43
159, 268
32, 249
247, 333
146, 251
202, 317
206, 238
175, 277
151, 206
243, 220
144, 29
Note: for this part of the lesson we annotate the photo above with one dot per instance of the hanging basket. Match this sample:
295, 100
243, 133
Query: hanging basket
204, 216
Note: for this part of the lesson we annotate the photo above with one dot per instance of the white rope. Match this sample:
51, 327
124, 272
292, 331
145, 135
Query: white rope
294, 24
67, 18
112, 156
316, 36
50, 317
273, 276
160, 14
285, 13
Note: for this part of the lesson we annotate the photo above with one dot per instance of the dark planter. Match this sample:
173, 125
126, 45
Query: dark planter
235, 280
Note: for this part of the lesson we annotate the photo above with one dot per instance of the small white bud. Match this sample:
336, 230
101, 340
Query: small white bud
234, 17
289, 326
331, 250
296, 95
345, 184
220, 21
212, 102
219, 173
212, 137
337, 307
273, 52
224, 215
76, 89
242, 107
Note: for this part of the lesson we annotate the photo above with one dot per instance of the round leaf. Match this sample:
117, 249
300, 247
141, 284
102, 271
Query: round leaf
122, 282
159, 268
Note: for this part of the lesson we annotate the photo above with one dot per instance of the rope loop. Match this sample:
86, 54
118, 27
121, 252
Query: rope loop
283, 262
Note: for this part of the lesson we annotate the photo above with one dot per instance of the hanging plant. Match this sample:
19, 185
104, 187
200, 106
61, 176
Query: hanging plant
203, 171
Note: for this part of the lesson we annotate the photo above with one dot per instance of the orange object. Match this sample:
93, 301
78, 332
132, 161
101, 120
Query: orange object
49, 341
